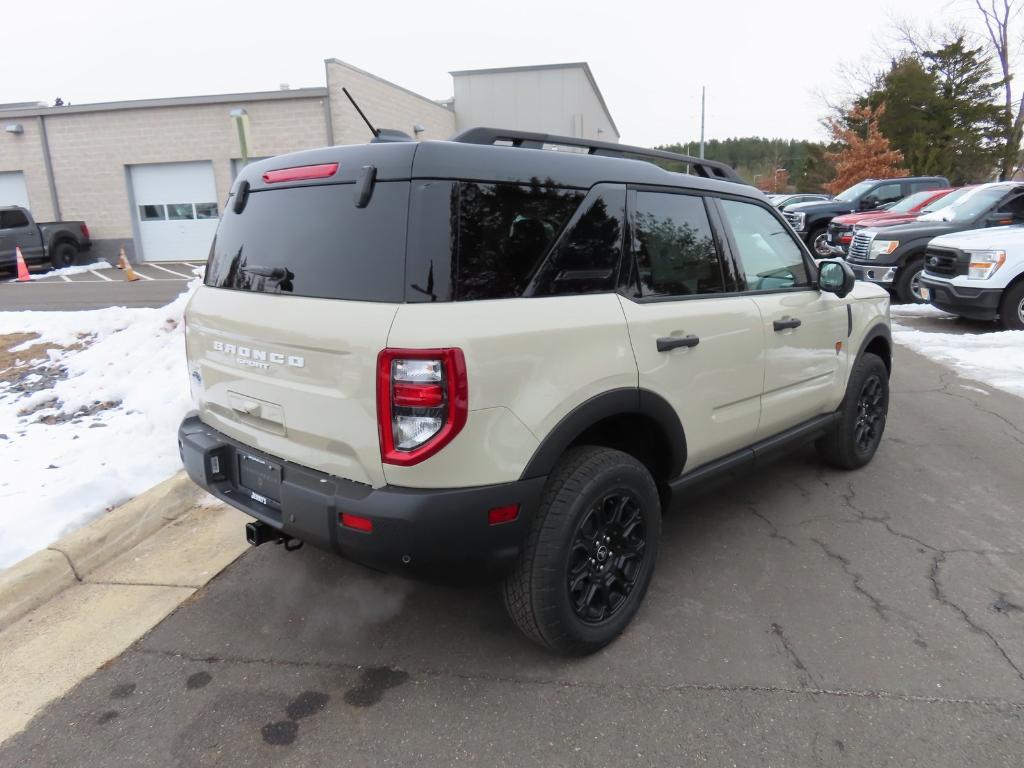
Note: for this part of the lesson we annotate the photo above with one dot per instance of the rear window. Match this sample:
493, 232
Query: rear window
313, 241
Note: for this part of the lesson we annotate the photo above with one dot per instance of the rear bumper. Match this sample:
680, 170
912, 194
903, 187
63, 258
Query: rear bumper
973, 303
432, 534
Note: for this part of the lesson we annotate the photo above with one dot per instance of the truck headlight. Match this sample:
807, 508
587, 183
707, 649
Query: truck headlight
984, 264
798, 220
882, 248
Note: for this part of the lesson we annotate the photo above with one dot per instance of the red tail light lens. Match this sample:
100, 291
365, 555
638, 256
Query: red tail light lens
422, 402
85, 230
301, 173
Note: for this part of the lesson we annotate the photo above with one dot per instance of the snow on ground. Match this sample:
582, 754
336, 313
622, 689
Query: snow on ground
995, 358
77, 270
129, 389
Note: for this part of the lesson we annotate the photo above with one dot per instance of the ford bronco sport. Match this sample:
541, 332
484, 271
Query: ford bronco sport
486, 357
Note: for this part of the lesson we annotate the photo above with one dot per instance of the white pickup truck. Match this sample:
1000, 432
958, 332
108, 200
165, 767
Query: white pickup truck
978, 274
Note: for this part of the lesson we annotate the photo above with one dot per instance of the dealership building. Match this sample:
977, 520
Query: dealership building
151, 175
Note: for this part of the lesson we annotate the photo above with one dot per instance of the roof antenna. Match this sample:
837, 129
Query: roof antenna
373, 130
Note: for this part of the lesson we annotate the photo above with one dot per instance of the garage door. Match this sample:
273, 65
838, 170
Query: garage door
12, 189
176, 207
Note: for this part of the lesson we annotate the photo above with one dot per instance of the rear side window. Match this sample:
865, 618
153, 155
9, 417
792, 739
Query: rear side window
313, 241
504, 233
674, 247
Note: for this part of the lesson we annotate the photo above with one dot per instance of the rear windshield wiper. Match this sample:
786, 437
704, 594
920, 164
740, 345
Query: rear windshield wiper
272, 273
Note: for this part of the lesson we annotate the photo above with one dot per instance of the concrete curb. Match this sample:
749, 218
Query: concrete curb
31, 582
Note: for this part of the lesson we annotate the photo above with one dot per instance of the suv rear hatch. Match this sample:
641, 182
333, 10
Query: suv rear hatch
304, 278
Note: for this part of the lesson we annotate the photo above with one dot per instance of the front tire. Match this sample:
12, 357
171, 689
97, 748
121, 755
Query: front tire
908, 282
1011, 308
854, 438
590, 553
64, 255
818, 242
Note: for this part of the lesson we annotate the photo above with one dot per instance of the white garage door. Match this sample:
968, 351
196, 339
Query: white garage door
176, 207
12, 189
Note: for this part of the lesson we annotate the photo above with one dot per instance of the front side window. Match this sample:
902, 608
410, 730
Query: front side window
504, 233
771, 258
887, 193
674, 247
13, 220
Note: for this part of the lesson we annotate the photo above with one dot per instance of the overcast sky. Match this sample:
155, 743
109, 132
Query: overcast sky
765, 64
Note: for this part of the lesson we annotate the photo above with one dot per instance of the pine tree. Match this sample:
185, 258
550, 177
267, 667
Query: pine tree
864, 152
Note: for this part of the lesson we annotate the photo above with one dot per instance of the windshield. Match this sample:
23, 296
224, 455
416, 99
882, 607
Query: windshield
911, 202
854, 192
946, 200
969, 206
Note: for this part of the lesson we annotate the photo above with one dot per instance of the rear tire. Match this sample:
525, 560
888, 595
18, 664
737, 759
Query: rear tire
908, 282
64, 255
590, 553
853, 440
1011, 308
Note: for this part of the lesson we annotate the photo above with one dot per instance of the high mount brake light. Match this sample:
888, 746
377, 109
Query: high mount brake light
422, 402
301, 173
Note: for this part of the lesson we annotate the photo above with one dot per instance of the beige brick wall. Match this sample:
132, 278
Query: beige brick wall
90, 150
385, 104
24, 152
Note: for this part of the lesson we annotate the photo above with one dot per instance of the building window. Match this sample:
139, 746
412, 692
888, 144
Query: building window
206, 211
152, 213
180, 211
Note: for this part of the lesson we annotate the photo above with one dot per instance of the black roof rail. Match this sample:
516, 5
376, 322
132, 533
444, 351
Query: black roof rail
710, 169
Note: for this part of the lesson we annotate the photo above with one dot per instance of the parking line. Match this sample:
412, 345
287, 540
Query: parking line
144, 277
169, 271
94, 272
65, 278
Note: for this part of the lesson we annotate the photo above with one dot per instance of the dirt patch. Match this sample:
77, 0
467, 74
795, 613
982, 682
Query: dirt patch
14, 364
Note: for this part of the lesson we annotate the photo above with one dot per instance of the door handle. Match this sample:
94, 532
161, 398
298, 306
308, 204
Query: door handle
666, 343
786, 322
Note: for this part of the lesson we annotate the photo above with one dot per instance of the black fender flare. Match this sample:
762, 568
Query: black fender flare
878, 331
614, 402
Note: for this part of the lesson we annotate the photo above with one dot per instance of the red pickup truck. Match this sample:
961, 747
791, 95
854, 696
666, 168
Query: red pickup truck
840, 229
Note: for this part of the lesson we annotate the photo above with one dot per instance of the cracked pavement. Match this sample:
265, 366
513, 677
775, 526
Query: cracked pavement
799, 616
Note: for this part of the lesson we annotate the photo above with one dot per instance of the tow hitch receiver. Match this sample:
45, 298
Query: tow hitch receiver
258, 532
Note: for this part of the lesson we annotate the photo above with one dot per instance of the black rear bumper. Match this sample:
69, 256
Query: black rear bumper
972, 303
432, 534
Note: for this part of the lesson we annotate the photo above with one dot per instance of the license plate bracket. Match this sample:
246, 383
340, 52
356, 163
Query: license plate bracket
261, 478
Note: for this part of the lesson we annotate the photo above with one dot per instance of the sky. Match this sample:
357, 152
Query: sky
768, 66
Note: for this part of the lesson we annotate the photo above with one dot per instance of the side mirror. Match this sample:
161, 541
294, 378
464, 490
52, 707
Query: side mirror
835, 276
997, 219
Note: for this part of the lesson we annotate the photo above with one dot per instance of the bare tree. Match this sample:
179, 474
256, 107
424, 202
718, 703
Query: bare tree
998, 16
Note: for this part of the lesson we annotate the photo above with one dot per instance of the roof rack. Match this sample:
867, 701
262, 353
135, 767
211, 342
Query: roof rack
710, 169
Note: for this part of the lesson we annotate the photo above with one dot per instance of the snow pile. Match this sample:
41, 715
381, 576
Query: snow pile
127, 390
78, 270
995, 358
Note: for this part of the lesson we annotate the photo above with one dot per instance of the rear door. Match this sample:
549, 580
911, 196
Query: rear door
300, 292
697, 342
805, 330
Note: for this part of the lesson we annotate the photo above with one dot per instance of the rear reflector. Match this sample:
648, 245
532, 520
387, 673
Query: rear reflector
505, 514
409, 395
356, 523
301, 173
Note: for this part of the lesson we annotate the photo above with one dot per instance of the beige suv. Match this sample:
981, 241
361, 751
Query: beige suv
502, 356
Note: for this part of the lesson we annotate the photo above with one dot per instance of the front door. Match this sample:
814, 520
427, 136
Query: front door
805, 330
697, 343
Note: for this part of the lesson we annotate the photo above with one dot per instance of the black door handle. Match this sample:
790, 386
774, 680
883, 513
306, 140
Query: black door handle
786, 322
665, 343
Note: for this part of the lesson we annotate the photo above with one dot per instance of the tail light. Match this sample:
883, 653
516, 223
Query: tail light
85, 230
422, 402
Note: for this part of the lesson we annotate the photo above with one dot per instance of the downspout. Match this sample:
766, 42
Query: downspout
48, 163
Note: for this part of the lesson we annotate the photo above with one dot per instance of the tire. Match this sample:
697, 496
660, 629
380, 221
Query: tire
64, 255
1011, 308
595, 500
816, 241
853, 440
908, 279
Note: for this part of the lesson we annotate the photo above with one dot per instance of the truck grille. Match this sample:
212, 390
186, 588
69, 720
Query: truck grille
948, 262
861, 245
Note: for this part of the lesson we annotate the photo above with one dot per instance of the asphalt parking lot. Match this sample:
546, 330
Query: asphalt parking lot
158, 284
800, 616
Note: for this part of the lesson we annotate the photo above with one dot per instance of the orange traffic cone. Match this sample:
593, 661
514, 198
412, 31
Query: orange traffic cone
122, 262
23, 276
129, 273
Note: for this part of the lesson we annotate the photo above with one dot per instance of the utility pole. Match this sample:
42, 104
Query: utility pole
702, 90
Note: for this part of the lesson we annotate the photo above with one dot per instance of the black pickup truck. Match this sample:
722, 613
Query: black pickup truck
58, 242
810, 220
893, 256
